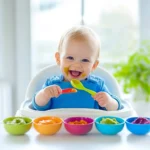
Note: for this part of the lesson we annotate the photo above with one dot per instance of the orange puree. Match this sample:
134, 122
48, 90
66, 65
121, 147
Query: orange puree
76, 122
83, 75
48, 121
66, 69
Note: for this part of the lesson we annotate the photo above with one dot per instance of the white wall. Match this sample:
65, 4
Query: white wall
15, 46
23, 49
7, 39
7, 52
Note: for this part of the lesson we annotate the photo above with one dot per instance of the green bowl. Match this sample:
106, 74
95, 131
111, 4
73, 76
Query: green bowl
17, 125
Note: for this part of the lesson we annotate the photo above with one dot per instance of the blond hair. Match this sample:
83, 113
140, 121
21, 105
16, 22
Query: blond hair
81, 33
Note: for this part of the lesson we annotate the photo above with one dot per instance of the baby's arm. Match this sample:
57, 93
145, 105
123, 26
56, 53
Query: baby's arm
44, 95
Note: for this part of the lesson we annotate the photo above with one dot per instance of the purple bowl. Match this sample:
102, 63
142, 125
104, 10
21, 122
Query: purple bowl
78, 129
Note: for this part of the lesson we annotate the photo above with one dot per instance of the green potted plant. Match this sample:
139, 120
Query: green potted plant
134, 74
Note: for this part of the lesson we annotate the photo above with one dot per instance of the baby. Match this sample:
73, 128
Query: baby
77, 57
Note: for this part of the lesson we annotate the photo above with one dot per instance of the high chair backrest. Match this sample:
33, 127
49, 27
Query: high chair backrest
37, 82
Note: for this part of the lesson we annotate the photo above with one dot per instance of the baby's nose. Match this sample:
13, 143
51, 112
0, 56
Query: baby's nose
76, 66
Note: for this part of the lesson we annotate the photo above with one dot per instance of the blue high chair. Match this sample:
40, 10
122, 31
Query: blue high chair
36, 83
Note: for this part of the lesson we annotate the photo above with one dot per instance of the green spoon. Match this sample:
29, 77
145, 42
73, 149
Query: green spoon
78, 85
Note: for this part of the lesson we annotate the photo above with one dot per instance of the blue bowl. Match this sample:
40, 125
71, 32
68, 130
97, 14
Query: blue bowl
138, 129
109, 129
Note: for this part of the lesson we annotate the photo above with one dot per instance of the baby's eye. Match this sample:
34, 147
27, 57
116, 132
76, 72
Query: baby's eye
85, 60
70, 58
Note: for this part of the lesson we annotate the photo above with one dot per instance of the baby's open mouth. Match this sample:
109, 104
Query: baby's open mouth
75, 73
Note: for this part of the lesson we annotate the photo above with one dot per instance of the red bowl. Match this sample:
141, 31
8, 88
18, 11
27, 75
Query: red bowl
78, 129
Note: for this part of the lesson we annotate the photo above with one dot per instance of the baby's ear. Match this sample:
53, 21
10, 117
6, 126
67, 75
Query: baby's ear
57, 58
95, 65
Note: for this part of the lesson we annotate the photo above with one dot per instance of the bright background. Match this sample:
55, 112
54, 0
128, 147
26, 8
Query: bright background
30, 31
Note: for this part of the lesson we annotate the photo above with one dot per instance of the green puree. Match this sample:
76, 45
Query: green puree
17, 121
109, 121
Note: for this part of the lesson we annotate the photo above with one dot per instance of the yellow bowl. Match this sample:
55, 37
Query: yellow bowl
47, 125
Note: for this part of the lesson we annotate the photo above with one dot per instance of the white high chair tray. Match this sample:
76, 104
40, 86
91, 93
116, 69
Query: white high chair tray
25, 110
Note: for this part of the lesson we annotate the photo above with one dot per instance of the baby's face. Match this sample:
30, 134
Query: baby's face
77, 59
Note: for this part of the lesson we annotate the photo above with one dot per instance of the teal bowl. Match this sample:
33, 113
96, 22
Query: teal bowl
17, 125
109, 129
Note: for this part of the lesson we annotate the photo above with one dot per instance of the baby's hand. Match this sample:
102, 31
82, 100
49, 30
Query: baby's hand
52, 91
102, 98
46, 94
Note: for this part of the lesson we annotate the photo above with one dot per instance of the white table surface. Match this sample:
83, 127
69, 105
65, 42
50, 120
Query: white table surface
65, 141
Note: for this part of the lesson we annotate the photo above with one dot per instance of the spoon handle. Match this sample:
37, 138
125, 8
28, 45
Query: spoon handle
69, 90
90, 91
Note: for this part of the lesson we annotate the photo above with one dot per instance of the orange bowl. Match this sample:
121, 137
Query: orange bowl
47, 125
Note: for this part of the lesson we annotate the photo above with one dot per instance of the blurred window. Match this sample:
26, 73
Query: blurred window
115, 21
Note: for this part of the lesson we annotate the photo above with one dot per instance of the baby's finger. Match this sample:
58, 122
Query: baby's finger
97, 96
102, 103
56, 91
102, 93
59, 89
